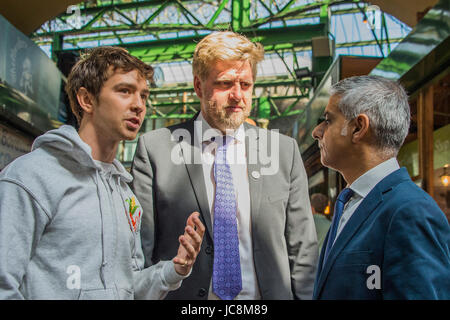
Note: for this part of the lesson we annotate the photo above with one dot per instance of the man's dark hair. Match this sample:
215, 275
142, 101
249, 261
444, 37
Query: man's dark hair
93, 70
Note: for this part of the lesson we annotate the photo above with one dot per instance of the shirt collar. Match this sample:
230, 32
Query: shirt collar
365, 183
205, 132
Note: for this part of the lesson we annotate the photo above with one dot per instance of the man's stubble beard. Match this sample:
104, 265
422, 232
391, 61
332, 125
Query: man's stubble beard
220, 118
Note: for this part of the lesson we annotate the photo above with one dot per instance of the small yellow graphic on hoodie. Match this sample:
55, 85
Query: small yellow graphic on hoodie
134, 217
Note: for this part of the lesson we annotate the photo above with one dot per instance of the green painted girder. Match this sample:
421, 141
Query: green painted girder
168, 104
272, 39
190, 116
260, 83
182, 49
366, 43
103, 33
109, 32
308, 47
264, 107
173, 115
388, 41
240, 20
264, 104
240, 14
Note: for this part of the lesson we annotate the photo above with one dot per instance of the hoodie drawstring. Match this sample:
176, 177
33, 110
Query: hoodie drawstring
119, 189
102, 267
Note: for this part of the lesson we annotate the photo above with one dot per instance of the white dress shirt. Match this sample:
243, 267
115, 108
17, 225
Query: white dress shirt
236, 158
362, 186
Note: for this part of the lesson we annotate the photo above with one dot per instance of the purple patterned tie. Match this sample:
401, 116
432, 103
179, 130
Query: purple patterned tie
227, 281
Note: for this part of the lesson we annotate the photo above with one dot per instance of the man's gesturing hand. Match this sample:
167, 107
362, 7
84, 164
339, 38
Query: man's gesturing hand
190, 243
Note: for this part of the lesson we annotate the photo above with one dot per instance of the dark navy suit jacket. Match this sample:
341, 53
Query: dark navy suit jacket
399, 229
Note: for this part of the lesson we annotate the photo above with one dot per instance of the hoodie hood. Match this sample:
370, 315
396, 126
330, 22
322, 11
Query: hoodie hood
67, 140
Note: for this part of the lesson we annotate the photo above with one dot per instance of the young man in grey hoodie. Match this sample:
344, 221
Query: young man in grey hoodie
69, 223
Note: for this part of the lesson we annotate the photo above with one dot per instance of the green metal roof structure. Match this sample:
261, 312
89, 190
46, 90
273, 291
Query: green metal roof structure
164, 34
298, 36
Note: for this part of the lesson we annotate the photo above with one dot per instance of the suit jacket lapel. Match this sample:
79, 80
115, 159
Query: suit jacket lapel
192, 158
367, 206
253, 171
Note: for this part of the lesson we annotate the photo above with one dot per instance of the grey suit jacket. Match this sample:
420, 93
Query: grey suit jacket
169, 183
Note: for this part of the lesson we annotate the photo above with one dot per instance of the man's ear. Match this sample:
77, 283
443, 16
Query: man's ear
198, 86
86, 100
360, 128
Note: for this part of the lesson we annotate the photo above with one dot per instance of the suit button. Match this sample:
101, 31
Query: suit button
202, 292
208, 250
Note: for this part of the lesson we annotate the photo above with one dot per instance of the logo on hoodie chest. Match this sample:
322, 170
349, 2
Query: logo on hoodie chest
133, 214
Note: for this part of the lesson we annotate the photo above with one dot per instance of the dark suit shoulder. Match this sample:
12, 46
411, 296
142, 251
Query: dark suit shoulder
408, 201
408, 192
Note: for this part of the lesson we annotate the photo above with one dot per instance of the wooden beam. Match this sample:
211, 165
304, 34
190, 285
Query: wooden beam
425, 127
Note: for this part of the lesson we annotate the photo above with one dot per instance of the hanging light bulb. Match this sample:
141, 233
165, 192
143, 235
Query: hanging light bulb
445, 178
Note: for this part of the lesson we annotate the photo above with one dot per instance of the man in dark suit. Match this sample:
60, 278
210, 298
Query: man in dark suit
250, 188
388, 238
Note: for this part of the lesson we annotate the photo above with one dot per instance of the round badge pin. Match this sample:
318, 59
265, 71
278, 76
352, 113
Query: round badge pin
256, 174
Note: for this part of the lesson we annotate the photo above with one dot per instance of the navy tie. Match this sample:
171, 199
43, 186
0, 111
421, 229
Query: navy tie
227, 280
342, 199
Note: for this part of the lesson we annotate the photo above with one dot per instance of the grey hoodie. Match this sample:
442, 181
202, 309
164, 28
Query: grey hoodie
69, 229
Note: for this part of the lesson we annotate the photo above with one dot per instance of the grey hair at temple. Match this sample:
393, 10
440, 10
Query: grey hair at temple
385, 102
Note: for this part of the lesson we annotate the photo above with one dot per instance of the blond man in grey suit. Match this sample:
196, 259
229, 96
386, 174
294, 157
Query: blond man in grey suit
260, 240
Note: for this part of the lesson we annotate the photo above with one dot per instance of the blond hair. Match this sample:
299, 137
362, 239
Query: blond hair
225, 46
